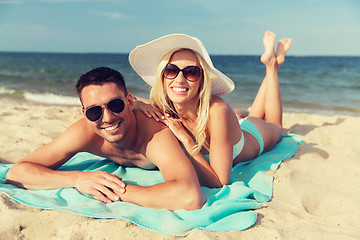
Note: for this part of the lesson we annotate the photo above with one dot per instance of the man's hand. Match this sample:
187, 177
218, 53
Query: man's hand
102, 186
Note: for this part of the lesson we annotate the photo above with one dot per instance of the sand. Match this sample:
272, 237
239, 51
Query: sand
316, 192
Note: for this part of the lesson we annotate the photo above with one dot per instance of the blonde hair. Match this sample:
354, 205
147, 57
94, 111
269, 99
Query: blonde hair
160, 99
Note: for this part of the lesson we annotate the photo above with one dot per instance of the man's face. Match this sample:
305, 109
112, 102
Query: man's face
111, 126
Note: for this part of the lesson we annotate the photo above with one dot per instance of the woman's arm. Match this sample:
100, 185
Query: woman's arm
206, 175
224, 132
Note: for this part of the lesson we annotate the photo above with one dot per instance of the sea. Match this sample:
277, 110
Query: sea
311, 84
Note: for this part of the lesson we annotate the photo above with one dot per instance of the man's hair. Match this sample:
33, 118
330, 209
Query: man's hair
100, 76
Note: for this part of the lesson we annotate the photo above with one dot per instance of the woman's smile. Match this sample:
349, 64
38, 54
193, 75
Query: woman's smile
179, 90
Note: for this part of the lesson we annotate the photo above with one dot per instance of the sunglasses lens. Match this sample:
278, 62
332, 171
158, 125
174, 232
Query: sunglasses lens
192, 73
94, 113
116, 105
171, 71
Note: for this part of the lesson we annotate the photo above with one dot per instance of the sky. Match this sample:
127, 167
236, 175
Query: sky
235, 27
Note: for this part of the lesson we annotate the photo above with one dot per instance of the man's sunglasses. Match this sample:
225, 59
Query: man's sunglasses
94, 113
191, 73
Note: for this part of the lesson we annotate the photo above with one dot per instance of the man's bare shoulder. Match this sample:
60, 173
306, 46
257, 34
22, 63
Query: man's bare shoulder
154, 133
79, 126
80, 136
77, 138
148, 125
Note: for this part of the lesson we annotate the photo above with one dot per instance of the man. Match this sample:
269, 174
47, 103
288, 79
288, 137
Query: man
111, 128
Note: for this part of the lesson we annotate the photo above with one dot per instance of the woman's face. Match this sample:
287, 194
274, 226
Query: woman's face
180, 90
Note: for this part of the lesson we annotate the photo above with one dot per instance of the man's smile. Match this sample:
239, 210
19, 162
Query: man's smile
113, 128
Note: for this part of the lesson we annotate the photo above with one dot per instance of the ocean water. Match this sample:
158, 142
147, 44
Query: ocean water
324, 85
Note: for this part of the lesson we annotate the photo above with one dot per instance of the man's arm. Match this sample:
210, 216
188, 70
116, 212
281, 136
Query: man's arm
38, 169
180, 189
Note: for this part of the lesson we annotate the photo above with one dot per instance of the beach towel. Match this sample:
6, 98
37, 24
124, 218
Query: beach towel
231, 207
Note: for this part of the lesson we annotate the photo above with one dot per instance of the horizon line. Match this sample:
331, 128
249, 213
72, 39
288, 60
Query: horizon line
217, 54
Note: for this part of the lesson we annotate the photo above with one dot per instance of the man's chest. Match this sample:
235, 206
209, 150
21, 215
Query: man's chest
127, 157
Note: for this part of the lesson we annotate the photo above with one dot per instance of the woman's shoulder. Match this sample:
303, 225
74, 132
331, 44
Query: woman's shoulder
217, 104
221, 115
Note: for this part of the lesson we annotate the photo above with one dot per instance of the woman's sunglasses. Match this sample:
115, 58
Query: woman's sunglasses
191, 73
94, 113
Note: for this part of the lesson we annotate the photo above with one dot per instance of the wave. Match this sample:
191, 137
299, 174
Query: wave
43, 98
6, 91
50, 98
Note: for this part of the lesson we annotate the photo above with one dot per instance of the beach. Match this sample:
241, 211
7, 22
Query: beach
315, 196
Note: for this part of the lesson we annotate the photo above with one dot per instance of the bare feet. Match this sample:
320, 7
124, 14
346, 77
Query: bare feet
269, 54
282, 48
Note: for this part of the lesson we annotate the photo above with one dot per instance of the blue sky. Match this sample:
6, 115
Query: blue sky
318, 27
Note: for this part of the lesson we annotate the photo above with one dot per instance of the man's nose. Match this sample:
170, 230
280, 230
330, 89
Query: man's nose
107, 115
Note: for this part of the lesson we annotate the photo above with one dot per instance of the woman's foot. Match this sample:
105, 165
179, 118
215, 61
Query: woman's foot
282, 48
268, 57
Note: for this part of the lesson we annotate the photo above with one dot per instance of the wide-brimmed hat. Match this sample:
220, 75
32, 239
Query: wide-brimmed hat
145, 60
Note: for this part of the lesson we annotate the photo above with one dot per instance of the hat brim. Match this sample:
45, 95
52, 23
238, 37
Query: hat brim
146, 58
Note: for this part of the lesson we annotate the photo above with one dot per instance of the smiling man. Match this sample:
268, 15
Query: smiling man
111, 128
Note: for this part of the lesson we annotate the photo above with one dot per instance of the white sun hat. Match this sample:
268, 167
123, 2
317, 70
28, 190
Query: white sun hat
145, 60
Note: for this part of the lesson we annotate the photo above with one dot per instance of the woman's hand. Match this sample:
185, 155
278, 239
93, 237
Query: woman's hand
148, 110
178, 129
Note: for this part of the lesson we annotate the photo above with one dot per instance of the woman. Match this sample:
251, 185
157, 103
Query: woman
186, 88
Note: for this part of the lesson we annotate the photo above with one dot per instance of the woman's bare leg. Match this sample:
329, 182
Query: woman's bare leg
267, 103
258, 107
273, 104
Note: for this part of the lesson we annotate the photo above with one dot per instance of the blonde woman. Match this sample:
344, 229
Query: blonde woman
186, 88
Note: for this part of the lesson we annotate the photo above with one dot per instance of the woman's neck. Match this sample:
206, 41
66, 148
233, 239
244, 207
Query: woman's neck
186, 112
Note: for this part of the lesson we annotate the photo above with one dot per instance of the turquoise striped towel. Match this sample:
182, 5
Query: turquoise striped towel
228, 208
